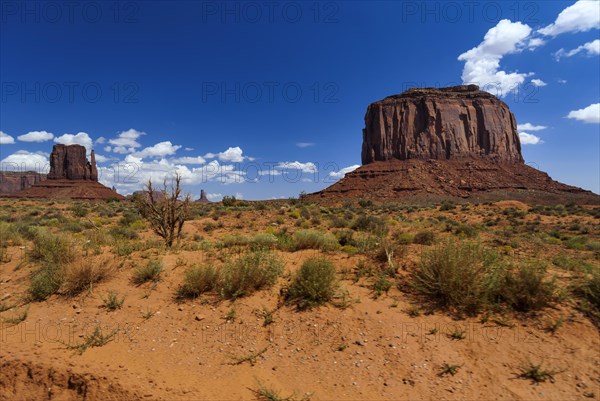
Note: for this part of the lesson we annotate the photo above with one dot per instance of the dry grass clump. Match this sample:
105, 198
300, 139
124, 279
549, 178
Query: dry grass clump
469, 278
311, 239
83, 274
198, 280
249, 273
148, 272
52, 248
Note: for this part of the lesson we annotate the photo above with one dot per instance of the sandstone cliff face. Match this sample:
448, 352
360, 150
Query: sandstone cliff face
447, 123
69, 162
11, 182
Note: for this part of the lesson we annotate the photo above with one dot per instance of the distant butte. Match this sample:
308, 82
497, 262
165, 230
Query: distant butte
428, 144
71, 176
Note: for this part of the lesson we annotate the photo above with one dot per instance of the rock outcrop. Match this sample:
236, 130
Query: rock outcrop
203, 198
69, 162
447, 123
13, 181
427, 145
71, 176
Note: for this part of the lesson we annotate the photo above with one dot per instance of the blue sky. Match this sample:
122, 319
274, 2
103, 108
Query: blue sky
264, 100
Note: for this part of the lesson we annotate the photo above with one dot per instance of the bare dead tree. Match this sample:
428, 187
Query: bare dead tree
164, 209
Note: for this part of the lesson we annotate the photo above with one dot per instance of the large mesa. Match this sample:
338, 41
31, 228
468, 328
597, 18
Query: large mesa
446, 123
428, 144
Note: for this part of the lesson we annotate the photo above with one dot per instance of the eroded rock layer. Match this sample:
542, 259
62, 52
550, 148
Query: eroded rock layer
447, 123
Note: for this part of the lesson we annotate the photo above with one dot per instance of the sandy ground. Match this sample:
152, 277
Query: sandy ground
164, 349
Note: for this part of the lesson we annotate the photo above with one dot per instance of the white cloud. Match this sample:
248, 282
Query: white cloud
101, 158
538, 82
343, 172
305, 144
188, 149
161, 149
482, 63
214, 197
189, 160
134, 173
36, 136
80, 138
562, 81
590, 114
535, 43
582, 16
591, 48
125, 142
529, 139
6, 139
233, 155
308, 167
23, 160
530, 127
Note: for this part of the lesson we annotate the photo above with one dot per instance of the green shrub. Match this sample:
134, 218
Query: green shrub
50, 248
198, 280
310, 239
371, 224
148, 272
112, 301
457, 276
249, 273
526, 289
45, 282
381, 285
424, 238
446, 206
314, 284
466, 230
123, 233
404, 238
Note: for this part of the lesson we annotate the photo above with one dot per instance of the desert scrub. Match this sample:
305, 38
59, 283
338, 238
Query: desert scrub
526, 289
151, 271
460, 276
45, 282
199, 280
371, 224
588, 288
310, 239
83, 274
314, 284
250, 272
112, 301
424, 238
51, 248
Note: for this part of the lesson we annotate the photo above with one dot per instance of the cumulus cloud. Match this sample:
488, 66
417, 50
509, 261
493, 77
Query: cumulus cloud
232, 155
582, 16
6, 139
529, 139
214, 197
101, 140
80, 138
538, 82
343, 172
189, 160
482, 63
590, 114
530, 127
125, 142
591, 49
305, 144
308, 167
36, 136
101, 158
161, 149
132, 173
23, 160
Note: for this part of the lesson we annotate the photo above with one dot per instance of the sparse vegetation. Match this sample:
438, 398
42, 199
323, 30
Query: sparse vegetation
536, 373
198, 280
314, 284
250, 272
165, 210
151, 271
112, 301
83, 274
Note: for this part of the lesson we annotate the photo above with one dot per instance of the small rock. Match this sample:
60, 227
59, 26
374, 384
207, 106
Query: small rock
198, 318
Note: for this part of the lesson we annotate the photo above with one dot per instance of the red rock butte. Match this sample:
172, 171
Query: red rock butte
428, 144
71, 176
